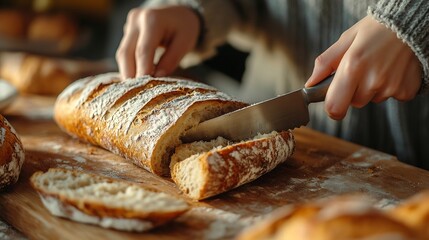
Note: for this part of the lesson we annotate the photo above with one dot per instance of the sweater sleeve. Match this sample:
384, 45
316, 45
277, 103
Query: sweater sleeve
410, 20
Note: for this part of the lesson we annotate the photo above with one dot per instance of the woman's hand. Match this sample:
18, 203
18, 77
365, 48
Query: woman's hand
175, 28
371, 64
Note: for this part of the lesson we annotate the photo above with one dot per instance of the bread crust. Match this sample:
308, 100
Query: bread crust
220, 170
11, 154
141, 119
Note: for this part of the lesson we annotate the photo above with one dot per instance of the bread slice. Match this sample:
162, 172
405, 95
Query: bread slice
205, 169
141, 119
103, 201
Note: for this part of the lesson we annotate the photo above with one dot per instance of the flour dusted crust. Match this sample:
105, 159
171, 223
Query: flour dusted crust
342, 217
103, 201
11, 154
141, 119
226, 167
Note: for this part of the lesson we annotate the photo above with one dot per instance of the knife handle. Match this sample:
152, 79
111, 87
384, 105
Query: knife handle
317, 93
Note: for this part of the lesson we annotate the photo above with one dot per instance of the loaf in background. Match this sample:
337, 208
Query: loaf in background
57, 29
12, 154
44, 75
103, 201
204, 169
414, 212
141, 119
33, 74
13, 24
341, 217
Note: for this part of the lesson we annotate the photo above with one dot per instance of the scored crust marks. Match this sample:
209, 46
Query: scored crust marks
101, 104
74, 88
95, 83
151, 88
162, 118
125, 115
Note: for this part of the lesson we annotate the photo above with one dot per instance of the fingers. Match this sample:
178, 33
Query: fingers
174, 27
172, 55
341, 91
127, 46
356, 80
150, 38
375, 66
180, 43
327, 63
143, 33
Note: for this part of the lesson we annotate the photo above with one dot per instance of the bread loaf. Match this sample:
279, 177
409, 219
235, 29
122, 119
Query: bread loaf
34, 74
337, 218
141, 119
13, 24
205, 169
57, 29
21, 28
103, 201
11, 154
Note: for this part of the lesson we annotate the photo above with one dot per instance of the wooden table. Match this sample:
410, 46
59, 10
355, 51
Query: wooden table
321, 166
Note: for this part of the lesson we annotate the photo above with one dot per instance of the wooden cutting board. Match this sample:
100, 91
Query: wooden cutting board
321, 166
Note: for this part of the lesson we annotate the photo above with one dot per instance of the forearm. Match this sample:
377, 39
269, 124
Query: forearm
410, 20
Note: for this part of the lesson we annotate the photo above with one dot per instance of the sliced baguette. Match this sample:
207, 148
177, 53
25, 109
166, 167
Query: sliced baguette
103, 201
141, 119
205, 169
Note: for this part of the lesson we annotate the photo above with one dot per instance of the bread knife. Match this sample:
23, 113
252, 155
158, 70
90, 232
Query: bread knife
284, 112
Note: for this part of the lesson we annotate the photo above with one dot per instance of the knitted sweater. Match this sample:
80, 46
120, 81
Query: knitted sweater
284, 37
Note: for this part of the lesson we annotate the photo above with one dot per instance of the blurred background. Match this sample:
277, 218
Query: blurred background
47, 44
